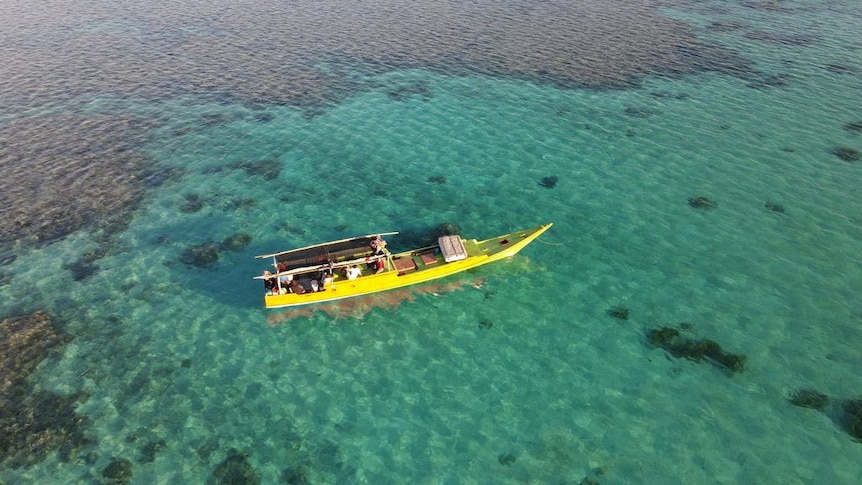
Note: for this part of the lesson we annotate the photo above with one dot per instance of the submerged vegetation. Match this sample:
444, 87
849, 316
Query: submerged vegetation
701, 202
619, 312
847, 413
549, 182
694, 349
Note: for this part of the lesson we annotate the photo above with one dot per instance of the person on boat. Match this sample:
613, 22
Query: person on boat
353, 272
328, 279
269, 282
296, 287
377, 246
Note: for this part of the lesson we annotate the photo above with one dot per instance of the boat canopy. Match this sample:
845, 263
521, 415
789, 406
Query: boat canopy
329, 253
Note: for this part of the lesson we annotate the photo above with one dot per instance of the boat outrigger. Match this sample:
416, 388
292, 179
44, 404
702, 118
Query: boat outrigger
362, 265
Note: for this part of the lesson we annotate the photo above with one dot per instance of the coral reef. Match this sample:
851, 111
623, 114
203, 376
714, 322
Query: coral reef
33, 423
619, 312
852, 419
507, 459
773, 207
192, 203
846, 154
406, 91
702, 203
148, 452
201, 255
236, 241
437, 179
268, 169
809, 398
694, 349
234, 470
486, 324
549, 182
108, 178
118, 472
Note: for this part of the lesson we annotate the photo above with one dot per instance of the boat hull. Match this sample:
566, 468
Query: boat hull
414, 267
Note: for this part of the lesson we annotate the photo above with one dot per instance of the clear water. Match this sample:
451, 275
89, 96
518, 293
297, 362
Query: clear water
417, 387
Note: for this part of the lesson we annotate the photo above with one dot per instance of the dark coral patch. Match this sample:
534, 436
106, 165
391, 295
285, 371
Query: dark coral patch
771, 81
192, 203
549, 182
619, 312
846, 154
507, 459
409, 90
437, 179
694, 349
234, 470
148, 452
236, 241
485, 324
809, 398
118, 471
702, 203
854, 127
201, 255
773, 207
268, 169
852, 419
445, 229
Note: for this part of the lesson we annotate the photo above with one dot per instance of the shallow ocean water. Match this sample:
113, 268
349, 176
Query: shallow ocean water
513, 373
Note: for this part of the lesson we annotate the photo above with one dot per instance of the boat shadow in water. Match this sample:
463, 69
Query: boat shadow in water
358, 307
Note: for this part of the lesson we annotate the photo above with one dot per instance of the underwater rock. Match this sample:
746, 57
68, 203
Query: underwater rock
838, 68
640, 112
186, 363
549, 182
27, 437
148, 452
118, 471
268, 169
724, 26
296, 476
772, 81
485, 324
445, 229
201, 255
242, 203
809, 398
264, 117
407, 91
234, 470
619, 312
702, 203
785, 39
193, 203
81, 270
437, 179
507, 459
236, 241
852, 419
846, 154
773, 207
694, 349
854, 127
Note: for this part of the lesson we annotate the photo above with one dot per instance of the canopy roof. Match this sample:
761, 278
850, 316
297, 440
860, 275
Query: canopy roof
327, 253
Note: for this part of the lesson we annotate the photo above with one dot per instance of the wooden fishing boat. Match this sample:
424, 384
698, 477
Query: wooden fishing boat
362, 265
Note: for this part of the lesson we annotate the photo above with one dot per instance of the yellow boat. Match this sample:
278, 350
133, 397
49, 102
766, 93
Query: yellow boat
362, 265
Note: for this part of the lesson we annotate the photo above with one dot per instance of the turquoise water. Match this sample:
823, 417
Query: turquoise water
519, 359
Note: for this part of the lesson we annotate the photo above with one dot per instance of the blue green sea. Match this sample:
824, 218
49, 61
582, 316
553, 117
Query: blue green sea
699, 160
